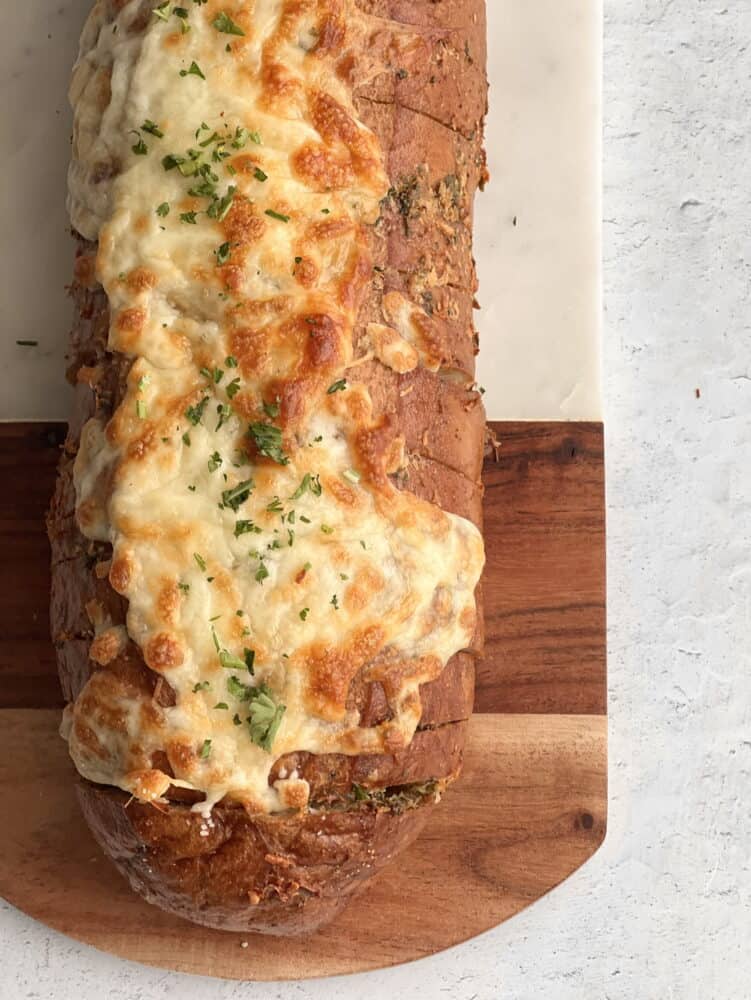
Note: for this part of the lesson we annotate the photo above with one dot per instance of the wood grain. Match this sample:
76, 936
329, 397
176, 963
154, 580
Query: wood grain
544, 587
530, 809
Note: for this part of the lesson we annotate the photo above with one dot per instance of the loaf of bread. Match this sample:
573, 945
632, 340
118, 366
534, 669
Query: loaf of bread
266, 532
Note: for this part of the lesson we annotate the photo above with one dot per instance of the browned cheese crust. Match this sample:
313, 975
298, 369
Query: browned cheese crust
288, 873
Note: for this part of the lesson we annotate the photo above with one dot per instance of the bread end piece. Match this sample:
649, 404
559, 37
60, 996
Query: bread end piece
284, 875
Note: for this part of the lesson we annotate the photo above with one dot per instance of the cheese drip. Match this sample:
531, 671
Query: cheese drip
242, 481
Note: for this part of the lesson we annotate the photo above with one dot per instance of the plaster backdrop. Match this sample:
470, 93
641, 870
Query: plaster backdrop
664, 909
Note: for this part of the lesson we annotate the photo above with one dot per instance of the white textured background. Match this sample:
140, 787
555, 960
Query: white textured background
664, 909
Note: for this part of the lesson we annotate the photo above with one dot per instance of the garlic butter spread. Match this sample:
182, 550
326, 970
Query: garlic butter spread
242, 482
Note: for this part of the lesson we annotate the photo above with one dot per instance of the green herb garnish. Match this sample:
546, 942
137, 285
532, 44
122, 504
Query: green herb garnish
195, 413
237, 495
194, 70
223, 253
152, 128
246, 528
277, 215
268, 441
308, 482
265, 717
224, 23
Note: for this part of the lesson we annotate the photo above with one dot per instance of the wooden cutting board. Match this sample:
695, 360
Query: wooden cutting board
531, 806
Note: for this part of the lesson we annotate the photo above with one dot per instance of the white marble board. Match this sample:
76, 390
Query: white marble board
537, 224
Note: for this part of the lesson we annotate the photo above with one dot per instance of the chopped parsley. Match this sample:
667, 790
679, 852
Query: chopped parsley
152, 128
194, 70
222, 705
308, 482
233, 388
260, 175
268, 441
246, 528
275, 507
185, 587
225, 412
237, 495
229, 661
249, 655
272, 409
201, 686
205, 749
220, 206
238, 689
352, 475
224, 23
215, 461
327, 529
27, 343
223, 253
230, 361
241, 137
195, 413
140, 148
265, 717
304, 614
337, 386
335, 602
141, 409
200, 561
172, 160
261, 574
163, 209
276, 215
189, 217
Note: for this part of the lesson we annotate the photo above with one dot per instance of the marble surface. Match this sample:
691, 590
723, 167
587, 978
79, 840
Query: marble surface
663, 911
537, 232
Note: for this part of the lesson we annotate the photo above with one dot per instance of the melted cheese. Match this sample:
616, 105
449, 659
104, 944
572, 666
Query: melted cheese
219, 547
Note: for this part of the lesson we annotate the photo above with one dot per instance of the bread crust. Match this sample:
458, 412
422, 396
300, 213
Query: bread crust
290, 873
282, 875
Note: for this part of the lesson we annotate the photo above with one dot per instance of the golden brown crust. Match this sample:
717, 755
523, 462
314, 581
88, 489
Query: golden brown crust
287, 874
270, 874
